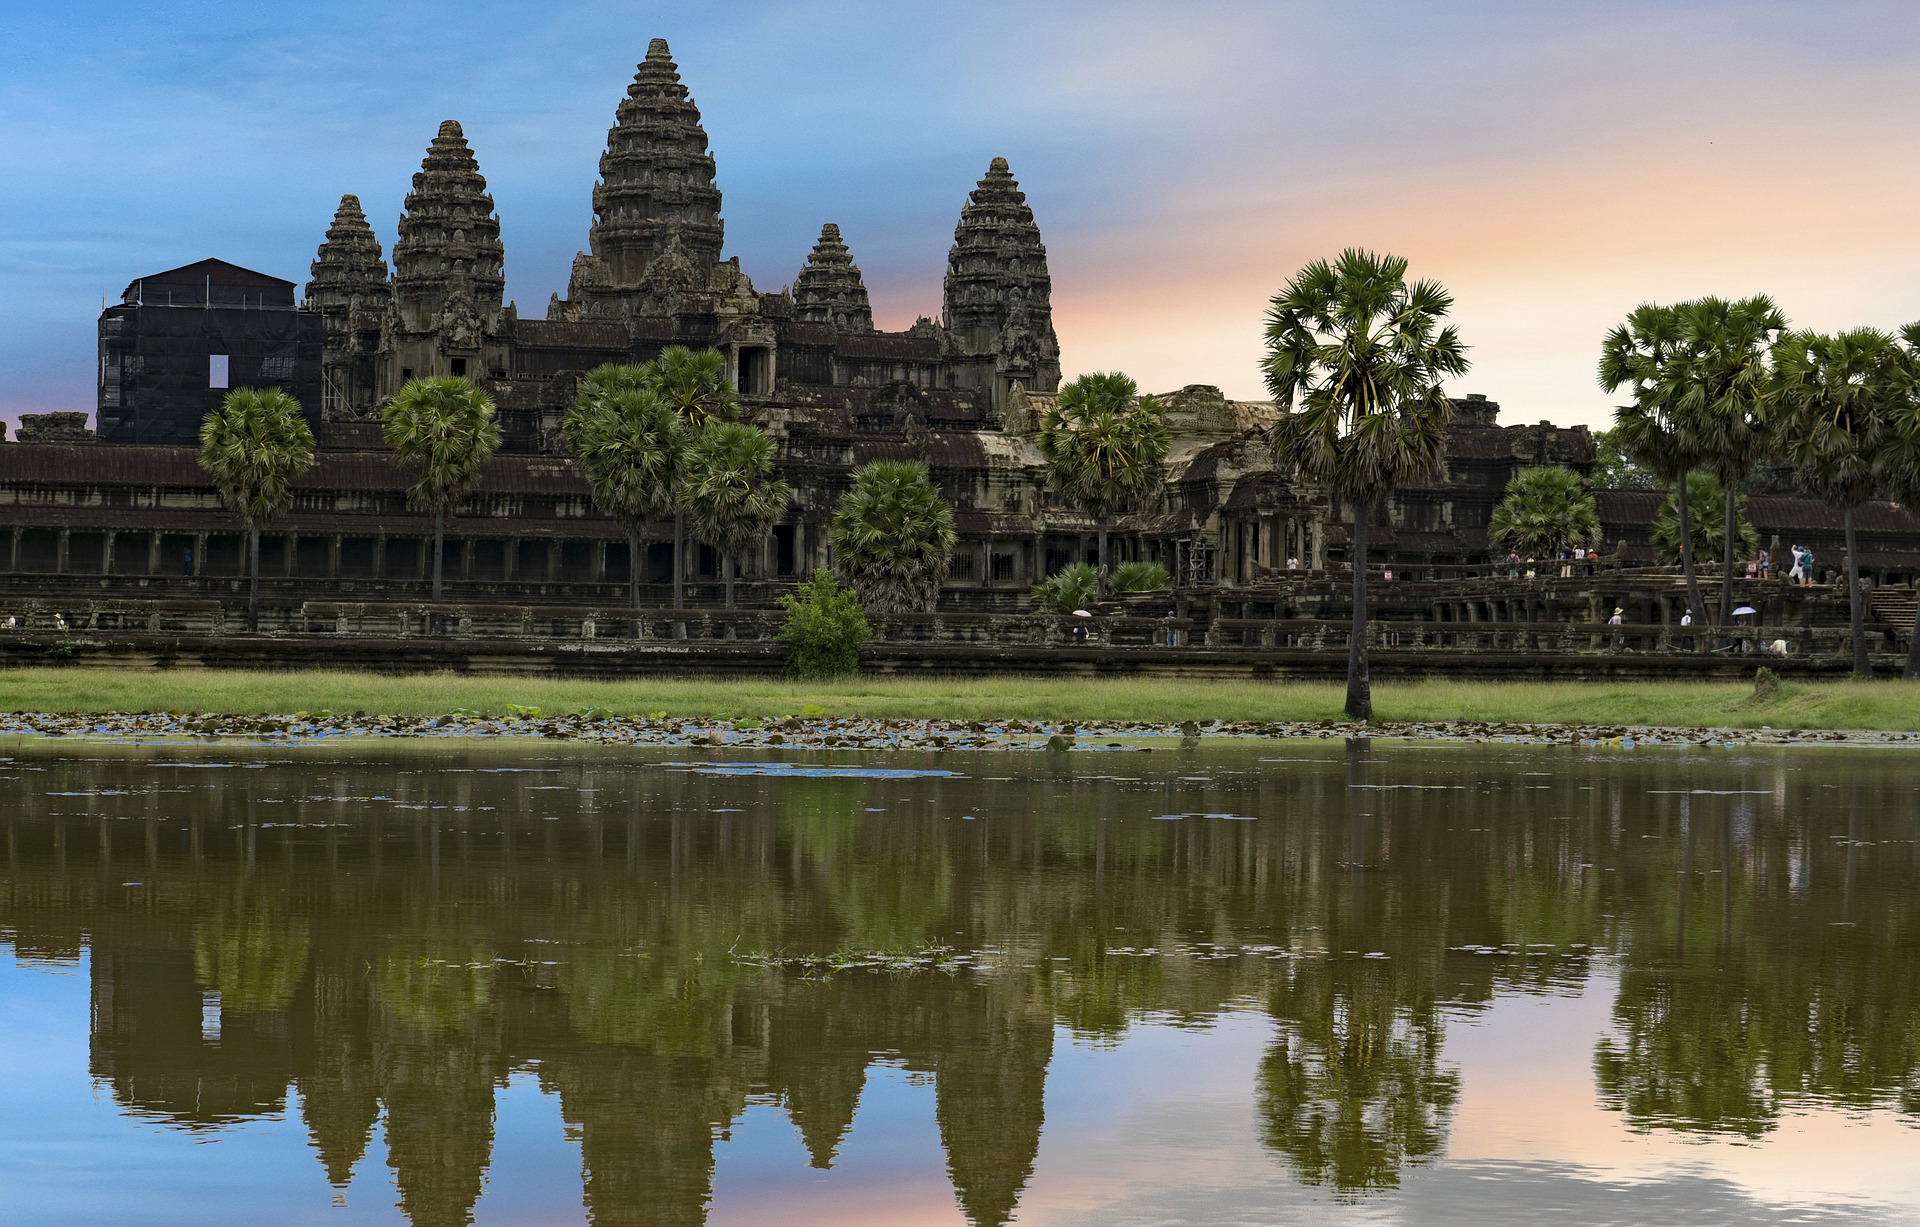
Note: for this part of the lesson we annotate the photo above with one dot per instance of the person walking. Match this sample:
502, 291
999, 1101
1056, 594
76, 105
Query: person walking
1797, 576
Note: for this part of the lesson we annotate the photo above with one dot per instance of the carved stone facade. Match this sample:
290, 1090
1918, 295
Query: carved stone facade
829, 290
446, 316
350, 292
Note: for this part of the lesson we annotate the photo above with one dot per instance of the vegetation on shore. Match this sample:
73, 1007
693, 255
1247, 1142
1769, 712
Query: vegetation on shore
1794, 705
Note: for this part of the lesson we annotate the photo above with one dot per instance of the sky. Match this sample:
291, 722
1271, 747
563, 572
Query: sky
1553, 164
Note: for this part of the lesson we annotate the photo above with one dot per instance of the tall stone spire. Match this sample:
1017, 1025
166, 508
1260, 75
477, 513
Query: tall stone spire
448, 278
656, 193
350, 292
829, 290
999, 297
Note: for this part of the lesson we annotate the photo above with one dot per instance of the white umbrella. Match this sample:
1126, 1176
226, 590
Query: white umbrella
1745, 609
1081, 613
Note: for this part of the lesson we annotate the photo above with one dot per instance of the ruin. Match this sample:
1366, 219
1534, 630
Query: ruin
127, 512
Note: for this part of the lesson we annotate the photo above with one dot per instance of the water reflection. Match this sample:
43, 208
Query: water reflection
389, 941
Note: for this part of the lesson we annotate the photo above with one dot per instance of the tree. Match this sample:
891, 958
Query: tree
730, 494
253, 447
1641, 355
1709, 538
1725, 383
1074, 586
1613, 469
892, 534
1106, 448
1355, 356
1544, 508
823, 630
693, 383
1902, 462
441, 429
631, 447
1838, 399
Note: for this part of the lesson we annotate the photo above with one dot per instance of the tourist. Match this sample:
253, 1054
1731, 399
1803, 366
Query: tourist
1293, 564
1513, 564
1766, 562
1618, 618
1806, 566
1566, 562
1799, 572
186, 562
1686, 619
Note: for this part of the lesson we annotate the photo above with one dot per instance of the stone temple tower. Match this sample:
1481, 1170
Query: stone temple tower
656, 201
350, 292
448, 278
829, 290
999, 298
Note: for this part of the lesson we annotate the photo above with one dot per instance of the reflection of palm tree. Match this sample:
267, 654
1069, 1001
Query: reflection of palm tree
436, 981
1353, 1091
252, 952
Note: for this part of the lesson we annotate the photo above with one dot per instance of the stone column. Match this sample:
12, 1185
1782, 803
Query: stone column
553, 560
333, 556
13, 550
153, 554
600, 561
1319, 530
289, 553
60, 552
199, 554
106, 553
511, 569
984, 552
380, 556
1039, 557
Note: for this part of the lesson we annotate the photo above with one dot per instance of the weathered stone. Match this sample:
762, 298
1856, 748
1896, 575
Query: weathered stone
350, 291
656, 199
999, 296
829, 289
448, 271
61, 427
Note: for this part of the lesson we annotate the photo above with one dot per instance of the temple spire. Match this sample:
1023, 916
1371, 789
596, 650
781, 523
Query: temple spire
999, 296
448, 268
829, 290
350, 291
656, 192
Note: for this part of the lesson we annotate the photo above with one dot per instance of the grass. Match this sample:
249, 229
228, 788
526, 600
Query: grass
1886, 705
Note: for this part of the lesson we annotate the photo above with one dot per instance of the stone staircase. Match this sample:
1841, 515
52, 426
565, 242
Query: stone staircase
1894, 606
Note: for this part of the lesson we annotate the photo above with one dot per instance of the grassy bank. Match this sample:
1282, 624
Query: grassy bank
1823, 705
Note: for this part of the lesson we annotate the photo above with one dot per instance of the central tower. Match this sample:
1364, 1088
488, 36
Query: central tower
656, 198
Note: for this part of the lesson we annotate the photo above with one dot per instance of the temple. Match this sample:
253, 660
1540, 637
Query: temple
963, 393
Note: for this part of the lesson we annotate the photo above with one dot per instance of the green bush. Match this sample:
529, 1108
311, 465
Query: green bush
1074, 587
823, 629
1139, 577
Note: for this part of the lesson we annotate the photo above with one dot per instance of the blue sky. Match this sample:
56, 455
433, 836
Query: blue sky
1552, 163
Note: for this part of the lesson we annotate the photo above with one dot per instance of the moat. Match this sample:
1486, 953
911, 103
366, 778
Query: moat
439, 982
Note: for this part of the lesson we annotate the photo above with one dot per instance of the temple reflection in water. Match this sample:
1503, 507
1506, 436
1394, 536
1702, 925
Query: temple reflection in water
385, 941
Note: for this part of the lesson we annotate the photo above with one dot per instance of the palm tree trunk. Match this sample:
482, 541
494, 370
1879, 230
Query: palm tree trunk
1359, 684
253, 572
679, 560
439, 548
1861, 664
1726, 562
633, 564
1686, 552
1912, 672
1104, 570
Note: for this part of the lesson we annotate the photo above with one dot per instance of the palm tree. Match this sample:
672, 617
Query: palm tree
442, 429
1710, 539
254, 446
1355, 356
1106, 448
1839, 399
1641, 355
730, 494
892, 533
1724, 381
693, 383
1545, 508
631, 448
1903, 461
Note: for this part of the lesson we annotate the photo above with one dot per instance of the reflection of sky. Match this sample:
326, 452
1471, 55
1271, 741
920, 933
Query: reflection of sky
1157, 1128
1553, 164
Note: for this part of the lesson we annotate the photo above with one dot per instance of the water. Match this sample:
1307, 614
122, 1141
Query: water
1316, 982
